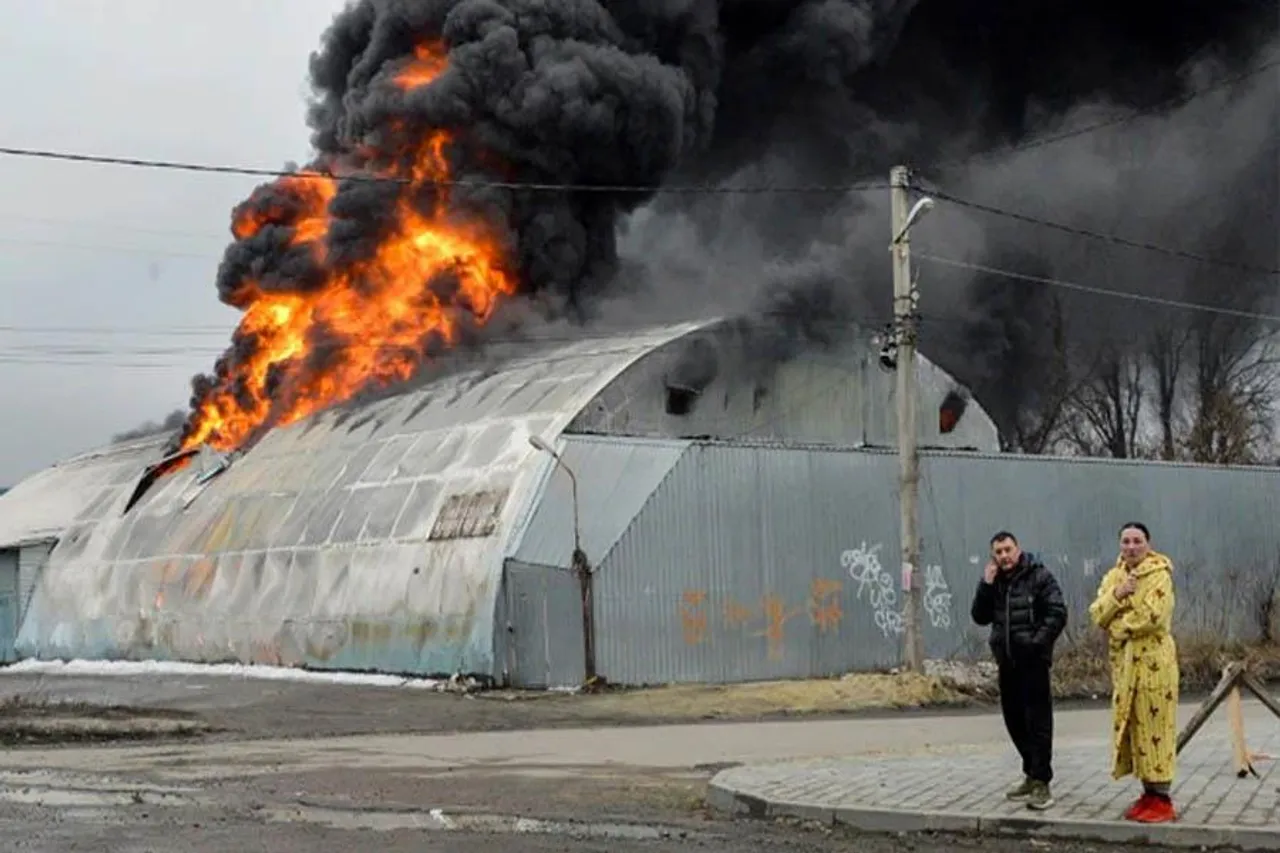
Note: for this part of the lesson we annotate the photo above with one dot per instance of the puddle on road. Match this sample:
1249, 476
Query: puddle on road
60, 790
440, 821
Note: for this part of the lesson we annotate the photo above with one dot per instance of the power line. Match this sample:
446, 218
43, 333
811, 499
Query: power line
1134, 115
139, 250
222, 235
1098, 291
696, 189
57, 352
1097, 235
177, 331
248, 171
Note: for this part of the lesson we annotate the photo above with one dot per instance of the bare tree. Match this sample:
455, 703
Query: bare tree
1167, 351
1107, 404
1233, 391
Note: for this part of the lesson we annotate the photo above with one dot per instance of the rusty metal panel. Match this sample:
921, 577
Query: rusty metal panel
470, 515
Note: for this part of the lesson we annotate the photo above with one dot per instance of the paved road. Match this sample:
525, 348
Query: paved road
964, 792
382, 792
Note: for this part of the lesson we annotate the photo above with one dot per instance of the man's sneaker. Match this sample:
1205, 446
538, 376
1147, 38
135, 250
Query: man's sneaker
1021, 791
1040, 797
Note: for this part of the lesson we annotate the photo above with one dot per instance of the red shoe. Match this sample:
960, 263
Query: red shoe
1139, 807
1158, 810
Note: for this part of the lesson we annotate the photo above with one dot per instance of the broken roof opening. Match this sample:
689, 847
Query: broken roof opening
175, 462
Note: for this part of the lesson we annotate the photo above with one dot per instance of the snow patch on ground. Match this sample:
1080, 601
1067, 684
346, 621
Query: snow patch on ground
963, 674
224, 670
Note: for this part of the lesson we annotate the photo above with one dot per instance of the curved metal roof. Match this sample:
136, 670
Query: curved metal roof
364, 537
78, 489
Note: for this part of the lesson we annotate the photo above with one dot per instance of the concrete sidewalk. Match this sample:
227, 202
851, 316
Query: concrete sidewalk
964, 792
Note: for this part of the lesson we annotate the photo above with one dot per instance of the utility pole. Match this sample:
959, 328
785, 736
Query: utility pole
904, 315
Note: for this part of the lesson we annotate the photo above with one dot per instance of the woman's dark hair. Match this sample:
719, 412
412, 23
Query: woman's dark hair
1135, 525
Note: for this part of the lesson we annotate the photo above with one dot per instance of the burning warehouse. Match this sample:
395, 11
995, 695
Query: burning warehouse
431, 305
423, 533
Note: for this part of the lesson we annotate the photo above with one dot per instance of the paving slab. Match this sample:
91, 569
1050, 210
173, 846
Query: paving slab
964, 792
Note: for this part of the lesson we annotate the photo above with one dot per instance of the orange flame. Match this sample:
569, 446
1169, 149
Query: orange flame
428, 63
373, 316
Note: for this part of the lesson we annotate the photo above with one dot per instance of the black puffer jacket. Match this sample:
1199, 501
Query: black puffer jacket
1025, 610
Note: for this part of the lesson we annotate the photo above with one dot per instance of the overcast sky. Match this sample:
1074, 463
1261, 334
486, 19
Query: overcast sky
101, 264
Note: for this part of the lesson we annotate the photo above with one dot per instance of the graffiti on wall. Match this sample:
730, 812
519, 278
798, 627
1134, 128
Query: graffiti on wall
768, 618
874, 586
937, 597
693, 616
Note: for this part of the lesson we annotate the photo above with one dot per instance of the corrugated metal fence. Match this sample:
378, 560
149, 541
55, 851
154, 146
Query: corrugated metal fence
761, 562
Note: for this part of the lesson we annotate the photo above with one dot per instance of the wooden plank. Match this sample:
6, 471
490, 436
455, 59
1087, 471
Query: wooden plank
1230, 675
1259, 689
1235, 719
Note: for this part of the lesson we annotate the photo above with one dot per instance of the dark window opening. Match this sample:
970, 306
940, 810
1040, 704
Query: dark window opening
680, 400
757, 397
951, 411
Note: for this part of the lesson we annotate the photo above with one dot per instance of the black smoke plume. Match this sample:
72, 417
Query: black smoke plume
747, 92
172, 421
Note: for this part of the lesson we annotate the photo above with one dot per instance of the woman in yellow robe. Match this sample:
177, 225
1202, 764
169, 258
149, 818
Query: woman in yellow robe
1135, 607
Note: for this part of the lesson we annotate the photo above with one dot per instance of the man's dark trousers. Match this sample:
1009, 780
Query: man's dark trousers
1026, 700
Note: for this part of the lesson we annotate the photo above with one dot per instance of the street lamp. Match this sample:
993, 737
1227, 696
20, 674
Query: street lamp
918, 210
581, 567
539, 443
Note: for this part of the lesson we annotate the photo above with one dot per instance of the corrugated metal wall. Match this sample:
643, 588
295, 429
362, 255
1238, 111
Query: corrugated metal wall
31, 560
756, 562
8, 603
543, 605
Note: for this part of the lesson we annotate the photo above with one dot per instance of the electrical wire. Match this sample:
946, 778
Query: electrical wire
1097, 235
76, 353
25, 242
1097, 291
696, 189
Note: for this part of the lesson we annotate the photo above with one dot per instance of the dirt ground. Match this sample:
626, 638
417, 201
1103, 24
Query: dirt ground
251, 708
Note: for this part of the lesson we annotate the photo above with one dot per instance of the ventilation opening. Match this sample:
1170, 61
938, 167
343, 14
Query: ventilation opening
758, 397
951, 411
680, 400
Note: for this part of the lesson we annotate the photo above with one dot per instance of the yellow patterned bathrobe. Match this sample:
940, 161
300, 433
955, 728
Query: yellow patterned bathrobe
1144, 669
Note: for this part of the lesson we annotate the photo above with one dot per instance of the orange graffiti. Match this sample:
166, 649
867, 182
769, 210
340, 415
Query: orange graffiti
693, 616
736, 614
777, 616
824, 604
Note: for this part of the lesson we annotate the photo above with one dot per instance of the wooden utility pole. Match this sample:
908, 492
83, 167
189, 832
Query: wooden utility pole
904, 314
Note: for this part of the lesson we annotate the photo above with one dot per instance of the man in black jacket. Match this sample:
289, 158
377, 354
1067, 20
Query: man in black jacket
1021, 600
